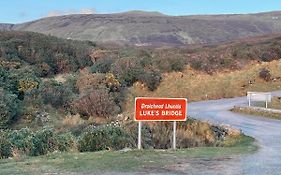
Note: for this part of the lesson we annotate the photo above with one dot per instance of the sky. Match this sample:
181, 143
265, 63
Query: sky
18, 11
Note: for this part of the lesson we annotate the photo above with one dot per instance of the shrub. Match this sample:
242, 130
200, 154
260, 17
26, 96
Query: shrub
49, 54
5, 146
66, 142
99, 103
102, 65
111, 82
46, 141
192, 133
104, 137
9, 108
171, 64
127, 70
151, 79
43, 142
269, 56
56, 94
265, 74
35, 143
196, 64
88, 81
162, 135
7, 82
21, 139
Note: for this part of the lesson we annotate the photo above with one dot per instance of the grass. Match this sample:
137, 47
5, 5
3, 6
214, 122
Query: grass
117, 161
254, 112
274, 104
196, 85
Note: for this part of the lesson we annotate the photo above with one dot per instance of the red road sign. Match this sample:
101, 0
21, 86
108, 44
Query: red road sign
160, 109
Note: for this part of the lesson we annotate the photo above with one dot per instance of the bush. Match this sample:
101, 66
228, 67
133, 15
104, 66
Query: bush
99, 103
87, 81
21, 139
43, 142
56, 94
102, 65
46, 141
192, 133
66, 142
269, 56
104, 137
171, 64
151, 79
127, 70
50, 55
5, 146
35, 143
265, 74
9, 108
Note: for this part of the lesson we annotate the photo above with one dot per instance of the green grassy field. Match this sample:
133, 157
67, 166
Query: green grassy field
116, 162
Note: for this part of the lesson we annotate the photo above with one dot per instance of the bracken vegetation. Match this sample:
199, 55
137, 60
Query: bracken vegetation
72, 86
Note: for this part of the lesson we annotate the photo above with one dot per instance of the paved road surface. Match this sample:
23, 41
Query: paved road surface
267, 160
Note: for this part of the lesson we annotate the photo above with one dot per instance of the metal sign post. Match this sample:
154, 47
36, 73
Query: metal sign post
139, 136
259, 96
160, 109
174, 134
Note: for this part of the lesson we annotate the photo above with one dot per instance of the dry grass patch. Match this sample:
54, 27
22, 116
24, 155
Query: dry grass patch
256, 112
197, 85
72, 120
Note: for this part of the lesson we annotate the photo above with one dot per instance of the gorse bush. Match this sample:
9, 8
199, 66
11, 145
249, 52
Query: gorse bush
51, 55
56, 94
102, 65
5, 146
35, 143
127, 70
21, 139
9, 108
151, 79
170, 64
43, 142
104, 137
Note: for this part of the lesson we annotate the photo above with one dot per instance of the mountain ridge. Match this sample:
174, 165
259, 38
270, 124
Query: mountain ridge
154, 28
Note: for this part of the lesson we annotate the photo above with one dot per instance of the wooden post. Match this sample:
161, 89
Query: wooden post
174, 134
139, 136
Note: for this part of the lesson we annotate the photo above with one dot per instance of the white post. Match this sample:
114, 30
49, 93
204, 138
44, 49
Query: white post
249, 100
266, 104
139, 136
174, 134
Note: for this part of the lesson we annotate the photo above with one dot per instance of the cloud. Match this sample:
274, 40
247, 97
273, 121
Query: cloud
87, 11
69, 12
54, 13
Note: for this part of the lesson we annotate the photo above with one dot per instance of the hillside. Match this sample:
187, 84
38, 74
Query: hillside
5, 27
61, 77
74, 95
153, 28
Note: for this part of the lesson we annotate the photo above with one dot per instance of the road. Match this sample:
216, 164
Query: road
267, 132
